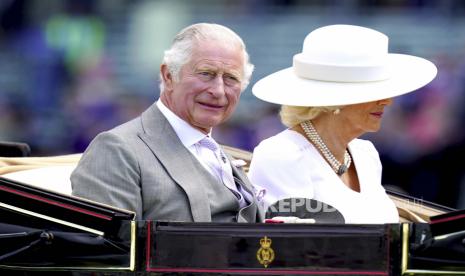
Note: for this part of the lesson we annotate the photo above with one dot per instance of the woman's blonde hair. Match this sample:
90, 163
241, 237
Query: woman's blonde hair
294, 115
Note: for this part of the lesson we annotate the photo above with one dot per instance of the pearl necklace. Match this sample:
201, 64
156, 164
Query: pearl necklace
311, 133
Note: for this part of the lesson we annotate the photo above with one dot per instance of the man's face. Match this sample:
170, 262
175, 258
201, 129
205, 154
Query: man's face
209, 85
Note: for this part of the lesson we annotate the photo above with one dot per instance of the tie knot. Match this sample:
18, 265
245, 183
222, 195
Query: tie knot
209, 143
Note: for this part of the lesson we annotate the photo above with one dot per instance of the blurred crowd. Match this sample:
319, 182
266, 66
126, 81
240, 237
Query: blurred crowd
71, 69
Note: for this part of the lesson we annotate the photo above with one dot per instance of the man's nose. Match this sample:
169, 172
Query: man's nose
217, 86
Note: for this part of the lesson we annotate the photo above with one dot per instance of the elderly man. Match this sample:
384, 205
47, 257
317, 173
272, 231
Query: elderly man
164, 165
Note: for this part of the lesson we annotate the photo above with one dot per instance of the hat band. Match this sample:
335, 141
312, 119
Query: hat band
338, 73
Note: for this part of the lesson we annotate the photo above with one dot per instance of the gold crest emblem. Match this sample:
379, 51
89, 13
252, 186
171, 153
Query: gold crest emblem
265, 254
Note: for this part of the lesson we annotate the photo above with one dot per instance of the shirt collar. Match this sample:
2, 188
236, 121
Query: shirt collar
186, 133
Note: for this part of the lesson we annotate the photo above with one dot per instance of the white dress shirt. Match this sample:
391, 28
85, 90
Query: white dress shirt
190, 137
287, 165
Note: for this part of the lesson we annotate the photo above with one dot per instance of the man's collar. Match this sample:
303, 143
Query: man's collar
186, 133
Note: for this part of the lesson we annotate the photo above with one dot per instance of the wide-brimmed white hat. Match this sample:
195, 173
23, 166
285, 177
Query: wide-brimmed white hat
341, 65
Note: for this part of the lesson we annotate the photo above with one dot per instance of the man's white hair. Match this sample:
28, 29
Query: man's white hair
181, 50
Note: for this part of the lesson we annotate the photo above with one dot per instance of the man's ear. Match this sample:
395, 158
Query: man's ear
167, 77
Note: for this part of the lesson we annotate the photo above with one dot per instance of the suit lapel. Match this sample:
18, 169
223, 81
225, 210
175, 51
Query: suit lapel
253, 211
180, 164
240, 175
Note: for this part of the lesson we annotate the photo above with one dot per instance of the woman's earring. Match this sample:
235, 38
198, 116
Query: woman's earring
336, 111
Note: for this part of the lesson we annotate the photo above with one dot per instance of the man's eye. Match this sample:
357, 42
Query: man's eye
231, 80
230, 77
206, 74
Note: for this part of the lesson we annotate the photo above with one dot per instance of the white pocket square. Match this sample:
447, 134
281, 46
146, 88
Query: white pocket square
238, 163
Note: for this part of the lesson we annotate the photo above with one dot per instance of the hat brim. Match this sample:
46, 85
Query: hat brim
408, 73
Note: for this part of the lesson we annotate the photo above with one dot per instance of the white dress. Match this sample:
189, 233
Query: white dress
287, 165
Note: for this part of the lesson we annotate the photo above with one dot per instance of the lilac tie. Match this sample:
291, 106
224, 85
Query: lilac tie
222, 167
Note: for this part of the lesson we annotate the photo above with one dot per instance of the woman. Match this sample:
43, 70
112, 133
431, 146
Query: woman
337, 90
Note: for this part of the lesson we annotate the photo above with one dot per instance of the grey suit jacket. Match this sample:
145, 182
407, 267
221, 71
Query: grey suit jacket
142, 166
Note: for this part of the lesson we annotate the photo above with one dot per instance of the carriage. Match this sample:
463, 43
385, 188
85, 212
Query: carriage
44, 229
